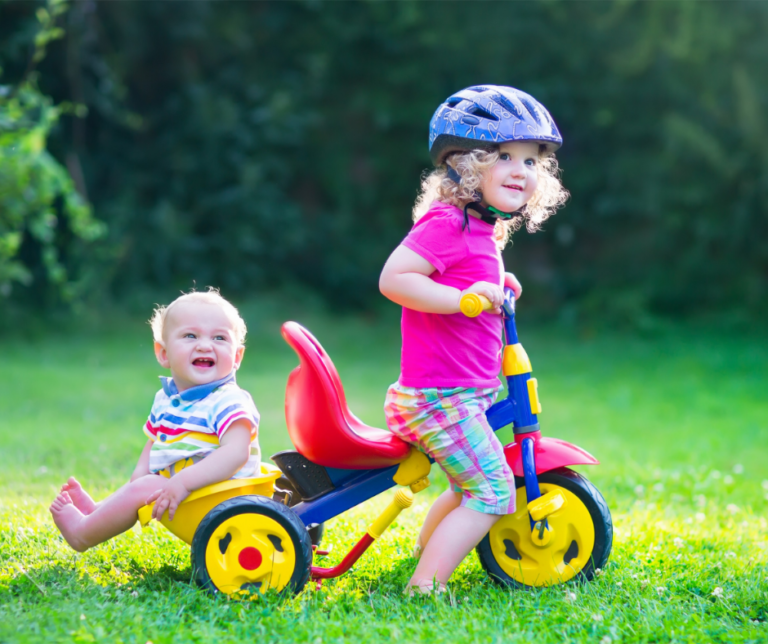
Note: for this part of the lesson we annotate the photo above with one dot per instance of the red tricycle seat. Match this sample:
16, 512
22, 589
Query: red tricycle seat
319, 422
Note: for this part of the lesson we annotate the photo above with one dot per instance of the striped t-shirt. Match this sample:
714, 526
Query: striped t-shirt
188, 425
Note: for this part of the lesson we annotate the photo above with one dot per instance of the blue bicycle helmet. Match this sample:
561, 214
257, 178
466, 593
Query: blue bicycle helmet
486, 115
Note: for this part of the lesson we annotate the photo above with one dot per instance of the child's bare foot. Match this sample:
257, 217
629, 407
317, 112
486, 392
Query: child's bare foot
67, 519
80, 498
425, 587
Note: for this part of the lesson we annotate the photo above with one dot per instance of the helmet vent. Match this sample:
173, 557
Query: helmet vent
534, 112
478, 88
453, 102
484, 114
508, 105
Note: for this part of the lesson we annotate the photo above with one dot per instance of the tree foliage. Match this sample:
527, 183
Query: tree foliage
244, 144
36, 191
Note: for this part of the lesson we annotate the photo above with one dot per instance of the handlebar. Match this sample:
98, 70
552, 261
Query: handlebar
472, 304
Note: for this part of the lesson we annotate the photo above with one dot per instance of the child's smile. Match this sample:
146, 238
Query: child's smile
513, 180
200, 344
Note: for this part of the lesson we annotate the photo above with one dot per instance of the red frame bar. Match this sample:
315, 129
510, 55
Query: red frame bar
336, 571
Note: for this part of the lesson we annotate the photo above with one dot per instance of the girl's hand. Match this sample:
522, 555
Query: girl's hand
510, 281
168, 498
493, 292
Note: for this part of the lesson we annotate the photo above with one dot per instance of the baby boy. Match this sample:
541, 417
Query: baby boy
202, 428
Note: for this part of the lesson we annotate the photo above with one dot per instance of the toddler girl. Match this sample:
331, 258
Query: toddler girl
493, 150
202, 428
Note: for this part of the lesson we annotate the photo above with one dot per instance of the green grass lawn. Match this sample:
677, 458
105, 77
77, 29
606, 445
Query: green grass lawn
678, 421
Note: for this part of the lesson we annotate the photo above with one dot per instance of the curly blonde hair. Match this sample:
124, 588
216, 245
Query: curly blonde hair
473, 166
211, 296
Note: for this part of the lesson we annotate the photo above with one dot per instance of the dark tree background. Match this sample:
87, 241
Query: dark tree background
250, 144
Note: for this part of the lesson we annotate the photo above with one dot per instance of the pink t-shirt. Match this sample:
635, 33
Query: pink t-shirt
453, 350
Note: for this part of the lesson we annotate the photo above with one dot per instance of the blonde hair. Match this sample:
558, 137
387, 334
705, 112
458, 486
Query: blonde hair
473, 166
211, 296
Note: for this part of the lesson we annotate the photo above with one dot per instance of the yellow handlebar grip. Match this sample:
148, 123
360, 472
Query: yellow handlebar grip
472, 304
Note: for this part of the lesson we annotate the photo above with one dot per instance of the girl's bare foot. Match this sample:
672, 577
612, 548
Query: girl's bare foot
425, 587
80, 498
68, 519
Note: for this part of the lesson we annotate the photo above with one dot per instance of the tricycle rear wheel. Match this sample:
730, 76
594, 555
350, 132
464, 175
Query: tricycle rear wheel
251, 544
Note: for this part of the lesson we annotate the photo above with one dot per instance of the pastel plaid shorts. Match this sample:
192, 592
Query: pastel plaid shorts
449, 424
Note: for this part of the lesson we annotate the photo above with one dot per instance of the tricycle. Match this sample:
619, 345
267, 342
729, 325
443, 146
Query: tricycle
253, 535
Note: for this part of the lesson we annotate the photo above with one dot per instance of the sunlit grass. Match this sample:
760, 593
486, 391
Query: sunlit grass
678, 422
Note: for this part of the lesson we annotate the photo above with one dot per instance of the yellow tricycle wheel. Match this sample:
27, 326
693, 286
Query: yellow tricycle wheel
578, 539
251, 544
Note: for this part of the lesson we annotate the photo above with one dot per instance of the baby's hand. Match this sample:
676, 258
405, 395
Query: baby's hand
168, 498
510, 281
493, 292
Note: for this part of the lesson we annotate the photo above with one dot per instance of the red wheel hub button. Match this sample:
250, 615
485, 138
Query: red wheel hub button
249, 558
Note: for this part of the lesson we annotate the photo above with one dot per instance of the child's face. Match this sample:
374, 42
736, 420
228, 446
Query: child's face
199, 344
512, 181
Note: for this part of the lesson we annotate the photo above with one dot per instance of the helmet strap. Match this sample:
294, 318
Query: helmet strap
451, 173
489, 215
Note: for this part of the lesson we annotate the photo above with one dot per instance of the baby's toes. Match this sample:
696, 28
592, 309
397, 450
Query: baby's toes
62, 499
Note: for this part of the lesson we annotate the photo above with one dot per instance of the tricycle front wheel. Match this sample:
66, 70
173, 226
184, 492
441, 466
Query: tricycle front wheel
581, 536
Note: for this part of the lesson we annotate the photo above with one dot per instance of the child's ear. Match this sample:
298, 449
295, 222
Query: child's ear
239, 356
162, 355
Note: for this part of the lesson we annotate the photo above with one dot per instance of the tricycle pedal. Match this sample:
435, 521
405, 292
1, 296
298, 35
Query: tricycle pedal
541, 508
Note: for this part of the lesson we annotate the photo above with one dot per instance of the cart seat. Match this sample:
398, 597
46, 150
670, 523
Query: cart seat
192, 510
319, 422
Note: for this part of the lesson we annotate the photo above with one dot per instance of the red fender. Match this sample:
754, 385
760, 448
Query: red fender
550, 454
